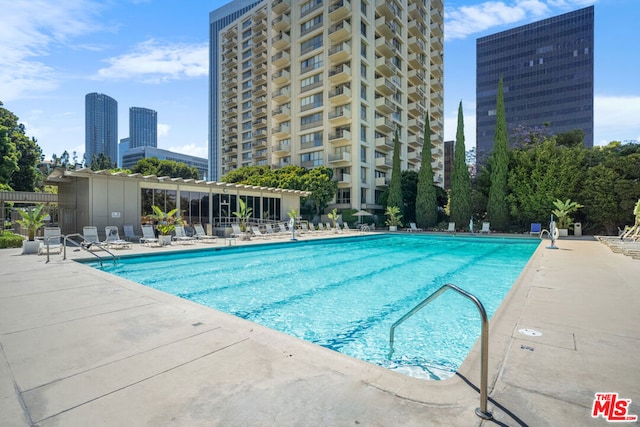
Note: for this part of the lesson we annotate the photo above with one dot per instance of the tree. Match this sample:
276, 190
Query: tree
154, 166
409, 194
8, 156
426, 201
319, 181
460, 205
395, 188
98, 163
29, 154
497, 207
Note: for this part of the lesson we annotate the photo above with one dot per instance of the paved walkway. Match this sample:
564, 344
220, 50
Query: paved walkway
79, 347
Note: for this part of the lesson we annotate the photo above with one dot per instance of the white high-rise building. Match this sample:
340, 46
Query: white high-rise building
315, 83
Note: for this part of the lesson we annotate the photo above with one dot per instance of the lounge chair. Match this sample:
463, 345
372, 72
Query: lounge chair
237, 233
452, 227
181, 235
536, 228
485, 228
283, 228
335, 230
113, 239
52, 240
346, 228
271, 232
413, 227
91, 239
149, 236
257, 233
129, 234
201, 236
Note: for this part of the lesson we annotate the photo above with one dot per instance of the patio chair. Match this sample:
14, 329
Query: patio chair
181, 235
113, 239
345, 227
283, 228
52, 239
129, 234
413, 227
485, 228
237, 233
271, 232
536, 228
91, 239
257, 233
149, 236
201, 236
452, 227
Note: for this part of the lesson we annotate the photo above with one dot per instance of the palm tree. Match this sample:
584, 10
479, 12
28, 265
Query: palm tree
32, 220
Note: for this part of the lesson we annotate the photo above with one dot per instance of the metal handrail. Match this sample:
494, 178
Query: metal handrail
57, 236
484, 343
64, 256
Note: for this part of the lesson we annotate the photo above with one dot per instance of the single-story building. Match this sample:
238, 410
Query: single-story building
101, 198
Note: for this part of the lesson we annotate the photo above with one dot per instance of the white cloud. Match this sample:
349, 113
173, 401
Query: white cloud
191, 150
463, 21
616, 118
30, 29
163, 130
154, 62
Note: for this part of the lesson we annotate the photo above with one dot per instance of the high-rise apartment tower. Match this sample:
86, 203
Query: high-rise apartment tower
143, 127
101, 126
218, 19
547, 71
315, 83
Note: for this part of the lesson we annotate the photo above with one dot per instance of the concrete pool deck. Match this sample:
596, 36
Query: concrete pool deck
80, 347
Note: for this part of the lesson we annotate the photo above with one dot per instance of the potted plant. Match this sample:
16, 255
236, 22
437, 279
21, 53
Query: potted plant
244, 214
562, 212
32, 220
394, 217
166, 223
333, 216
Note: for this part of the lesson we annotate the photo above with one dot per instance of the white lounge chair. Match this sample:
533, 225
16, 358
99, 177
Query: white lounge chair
283, 228
452, 227
257, 233
113, 239
271, 232
236, 231
485, 228
149, 236
91, 239
413, 227
202, 236
181, 235
129, 233
52, 240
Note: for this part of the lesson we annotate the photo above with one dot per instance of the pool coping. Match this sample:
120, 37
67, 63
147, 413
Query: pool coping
451, 401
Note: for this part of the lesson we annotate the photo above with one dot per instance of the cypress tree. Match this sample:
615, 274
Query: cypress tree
497, 208
426, 201
395, 188
460, 204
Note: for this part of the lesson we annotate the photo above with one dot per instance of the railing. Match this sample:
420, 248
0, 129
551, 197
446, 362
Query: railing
64, 246
46, 241
484, 343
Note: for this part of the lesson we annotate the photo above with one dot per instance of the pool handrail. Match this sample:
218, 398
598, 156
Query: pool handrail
482, 411
67, 238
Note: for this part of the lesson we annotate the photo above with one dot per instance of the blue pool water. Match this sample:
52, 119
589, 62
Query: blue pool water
344, 294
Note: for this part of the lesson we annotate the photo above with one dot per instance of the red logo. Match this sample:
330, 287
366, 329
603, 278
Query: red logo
611, 408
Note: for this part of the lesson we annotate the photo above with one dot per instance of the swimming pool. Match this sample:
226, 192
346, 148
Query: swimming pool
344, 294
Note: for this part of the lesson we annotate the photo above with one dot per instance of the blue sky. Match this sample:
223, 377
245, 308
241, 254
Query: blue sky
154, 54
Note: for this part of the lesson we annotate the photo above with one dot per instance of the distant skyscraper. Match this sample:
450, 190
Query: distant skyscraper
218, 19
547, 69
101, 126
143, 127
123, 146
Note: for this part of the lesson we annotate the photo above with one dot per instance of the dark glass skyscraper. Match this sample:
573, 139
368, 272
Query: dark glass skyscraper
547, 69
101, 126
143, 127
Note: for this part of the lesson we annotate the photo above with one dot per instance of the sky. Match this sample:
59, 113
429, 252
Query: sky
154, 54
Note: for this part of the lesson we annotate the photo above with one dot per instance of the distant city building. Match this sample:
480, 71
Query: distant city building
218, 19
312, 83
143, 127
123, 146
131, 157
547, 70
101, 126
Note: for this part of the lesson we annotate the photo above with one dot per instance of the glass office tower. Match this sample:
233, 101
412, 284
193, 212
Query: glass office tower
143, 127
547, 70
101, 126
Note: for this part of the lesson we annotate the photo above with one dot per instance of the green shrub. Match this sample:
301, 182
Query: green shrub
10, 240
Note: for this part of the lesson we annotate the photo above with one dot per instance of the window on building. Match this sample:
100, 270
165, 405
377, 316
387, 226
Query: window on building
363, 91
246, 85
246, 115
310, 25
363, 70
246, 24
246, 44
246, 74
311, 140
311, 63
363, 195
311, 44
363, 175
246, 54
246, 105
246, 126
310, 120
246, 95
246, 136
308, 6
311, 160
363, 50
363, 133
311, 101
363, 8
363, 28
246, 64
246, 34
309, 81
363, 112
343, 196
363, 154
